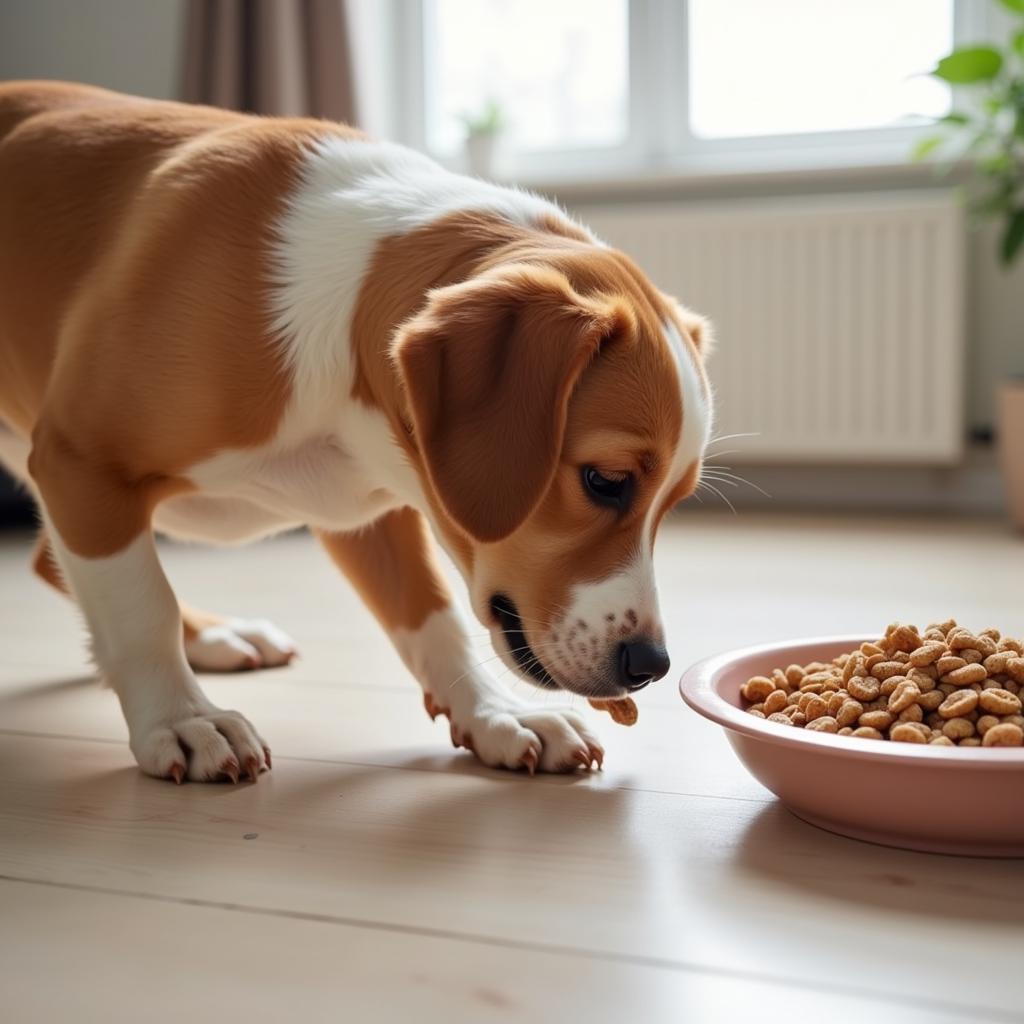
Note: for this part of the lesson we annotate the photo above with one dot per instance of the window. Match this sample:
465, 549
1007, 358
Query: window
559, 71
795, 66
591, 88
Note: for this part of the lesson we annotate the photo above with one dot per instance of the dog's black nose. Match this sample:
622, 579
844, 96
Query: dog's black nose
641, 662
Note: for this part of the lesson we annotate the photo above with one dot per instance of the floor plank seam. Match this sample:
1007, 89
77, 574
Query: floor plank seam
499, 777
576, 952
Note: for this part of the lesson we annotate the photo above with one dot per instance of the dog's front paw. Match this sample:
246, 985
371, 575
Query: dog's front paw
238, 644
523, 737
210, 745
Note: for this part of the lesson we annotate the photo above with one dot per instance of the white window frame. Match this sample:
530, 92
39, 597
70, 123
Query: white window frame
659, 142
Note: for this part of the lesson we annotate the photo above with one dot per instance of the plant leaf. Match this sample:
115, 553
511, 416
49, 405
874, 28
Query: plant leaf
1018, 42
1013, 237
996, 163
955, 117
997, 202
924, 148
1017, 6
971, 64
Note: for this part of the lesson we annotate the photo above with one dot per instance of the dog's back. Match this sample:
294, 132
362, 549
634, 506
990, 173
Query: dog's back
22, 100
78, 153
104, 197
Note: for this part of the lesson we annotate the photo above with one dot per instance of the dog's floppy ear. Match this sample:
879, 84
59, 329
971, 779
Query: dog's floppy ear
488, 368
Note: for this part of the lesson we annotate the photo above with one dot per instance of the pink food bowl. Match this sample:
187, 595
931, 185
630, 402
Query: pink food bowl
937, 799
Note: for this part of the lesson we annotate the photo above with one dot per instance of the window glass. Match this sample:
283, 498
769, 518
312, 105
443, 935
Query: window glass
777, 67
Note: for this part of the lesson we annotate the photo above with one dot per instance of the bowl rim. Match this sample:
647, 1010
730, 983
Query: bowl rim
696, 687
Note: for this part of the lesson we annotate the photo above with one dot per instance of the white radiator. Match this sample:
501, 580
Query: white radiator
840, 319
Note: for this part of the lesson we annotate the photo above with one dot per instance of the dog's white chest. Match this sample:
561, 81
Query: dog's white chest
325, 483
318, 482
336, 475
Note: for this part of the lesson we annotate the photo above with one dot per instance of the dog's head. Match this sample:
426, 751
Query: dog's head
558, 411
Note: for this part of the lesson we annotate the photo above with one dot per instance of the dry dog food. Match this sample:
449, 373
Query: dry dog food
623, 711
946, 686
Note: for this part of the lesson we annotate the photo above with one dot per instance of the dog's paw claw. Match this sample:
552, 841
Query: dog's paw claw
204, 744
518, 737
433, 709
252, 769
584, 759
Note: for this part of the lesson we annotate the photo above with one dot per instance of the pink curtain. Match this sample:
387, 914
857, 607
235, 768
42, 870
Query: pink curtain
287, 57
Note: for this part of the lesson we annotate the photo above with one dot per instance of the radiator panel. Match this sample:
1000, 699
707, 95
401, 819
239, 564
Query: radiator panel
840, 319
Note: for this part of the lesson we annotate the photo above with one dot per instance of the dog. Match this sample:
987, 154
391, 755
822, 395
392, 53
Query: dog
217, 326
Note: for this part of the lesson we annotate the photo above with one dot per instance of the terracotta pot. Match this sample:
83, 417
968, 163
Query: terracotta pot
1011, 444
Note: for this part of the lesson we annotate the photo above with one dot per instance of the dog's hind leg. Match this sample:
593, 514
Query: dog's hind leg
44, 565
213, 643
218, 643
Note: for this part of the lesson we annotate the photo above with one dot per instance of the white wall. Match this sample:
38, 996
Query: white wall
129, 45
372, 24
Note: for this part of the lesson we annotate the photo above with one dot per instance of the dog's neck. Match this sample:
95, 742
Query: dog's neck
404, 270
396, 286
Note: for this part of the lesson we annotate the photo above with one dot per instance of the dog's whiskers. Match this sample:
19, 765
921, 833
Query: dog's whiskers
718, 478
711, 487
554, 614
735, 479
498, 657
730, 437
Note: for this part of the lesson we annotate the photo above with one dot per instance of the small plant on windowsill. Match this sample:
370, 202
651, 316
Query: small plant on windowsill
989, 135
483, 129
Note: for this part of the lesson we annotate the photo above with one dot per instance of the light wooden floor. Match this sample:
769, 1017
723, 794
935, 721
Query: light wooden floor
378, 875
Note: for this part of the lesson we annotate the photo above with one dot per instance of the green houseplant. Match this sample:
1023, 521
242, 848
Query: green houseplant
988, 133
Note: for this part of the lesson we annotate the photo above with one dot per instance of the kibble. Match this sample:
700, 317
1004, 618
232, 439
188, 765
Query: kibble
907, 733
999, 701
624, 711
945, 686
1003, 735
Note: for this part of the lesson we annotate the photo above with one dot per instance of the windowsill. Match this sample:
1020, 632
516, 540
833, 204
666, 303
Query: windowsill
869, 160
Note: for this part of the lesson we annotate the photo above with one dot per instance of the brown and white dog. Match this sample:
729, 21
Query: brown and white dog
218, 326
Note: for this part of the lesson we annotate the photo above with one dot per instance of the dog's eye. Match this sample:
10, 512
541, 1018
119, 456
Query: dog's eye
612, 491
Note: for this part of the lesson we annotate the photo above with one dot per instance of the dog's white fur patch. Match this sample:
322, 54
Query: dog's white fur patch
239, 644
697, 408
352, 195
